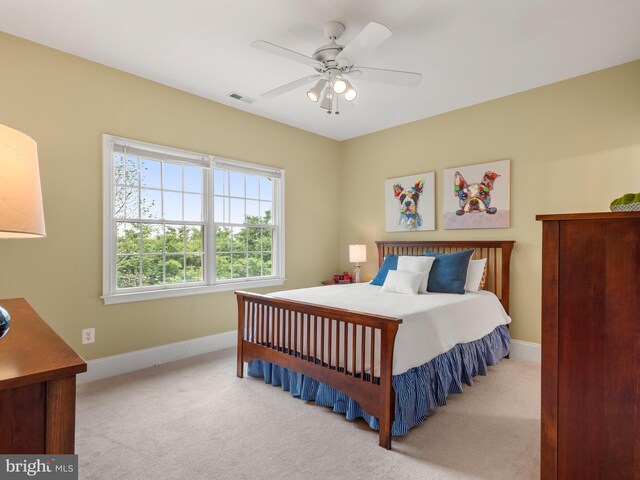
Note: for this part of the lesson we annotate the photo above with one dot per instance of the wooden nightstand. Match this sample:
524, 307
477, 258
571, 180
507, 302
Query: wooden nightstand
37, 385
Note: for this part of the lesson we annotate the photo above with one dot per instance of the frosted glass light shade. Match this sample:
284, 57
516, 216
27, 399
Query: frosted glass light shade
327, 99
21, 214
357, 253
339, 85
350, 94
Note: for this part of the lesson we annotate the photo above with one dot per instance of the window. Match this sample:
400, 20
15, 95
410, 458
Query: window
179, 223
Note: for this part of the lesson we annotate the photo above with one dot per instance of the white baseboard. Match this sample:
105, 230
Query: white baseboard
520, 350
131, 361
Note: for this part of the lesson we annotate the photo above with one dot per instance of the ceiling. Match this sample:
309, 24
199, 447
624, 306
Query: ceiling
469, 51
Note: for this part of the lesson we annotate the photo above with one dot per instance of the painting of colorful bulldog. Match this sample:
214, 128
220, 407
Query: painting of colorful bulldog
477, 196
410, 203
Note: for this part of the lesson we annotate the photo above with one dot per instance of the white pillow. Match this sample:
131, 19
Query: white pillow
399, 281
474, 275
417, 264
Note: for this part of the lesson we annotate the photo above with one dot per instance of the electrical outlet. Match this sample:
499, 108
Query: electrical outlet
88, 335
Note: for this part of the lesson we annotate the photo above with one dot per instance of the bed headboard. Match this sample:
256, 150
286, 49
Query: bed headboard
497, 253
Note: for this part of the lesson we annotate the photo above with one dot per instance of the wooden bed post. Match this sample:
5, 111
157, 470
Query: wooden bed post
240, 366
506, 269
388, 339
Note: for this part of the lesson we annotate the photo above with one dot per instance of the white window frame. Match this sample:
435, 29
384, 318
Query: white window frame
113, 295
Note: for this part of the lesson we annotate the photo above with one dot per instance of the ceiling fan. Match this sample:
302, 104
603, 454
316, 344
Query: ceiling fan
335, 66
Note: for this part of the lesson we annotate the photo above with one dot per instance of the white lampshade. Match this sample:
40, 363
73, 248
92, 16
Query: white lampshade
357, 253
21, 214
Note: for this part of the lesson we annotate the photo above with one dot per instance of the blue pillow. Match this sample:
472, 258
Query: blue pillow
390, 263
449, 271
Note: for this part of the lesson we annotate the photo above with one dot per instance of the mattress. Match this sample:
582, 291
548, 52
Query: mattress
433, 323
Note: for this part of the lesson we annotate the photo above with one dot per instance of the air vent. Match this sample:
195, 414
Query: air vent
242, 98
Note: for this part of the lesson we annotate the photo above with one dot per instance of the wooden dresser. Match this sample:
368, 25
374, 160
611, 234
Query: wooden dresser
591, 346
37, 385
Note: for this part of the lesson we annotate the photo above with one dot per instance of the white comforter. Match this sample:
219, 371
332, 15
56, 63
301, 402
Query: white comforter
431, 324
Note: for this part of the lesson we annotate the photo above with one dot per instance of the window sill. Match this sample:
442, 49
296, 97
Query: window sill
186, 291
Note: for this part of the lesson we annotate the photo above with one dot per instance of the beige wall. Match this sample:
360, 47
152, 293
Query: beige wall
573, 145
66, 104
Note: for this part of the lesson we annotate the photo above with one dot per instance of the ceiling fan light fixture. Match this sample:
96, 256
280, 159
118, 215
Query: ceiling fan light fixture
350, 94
339, 85
327, 100
315, 92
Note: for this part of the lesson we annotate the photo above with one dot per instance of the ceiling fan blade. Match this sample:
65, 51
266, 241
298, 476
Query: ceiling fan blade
369, 38
289, 86
392, 77
286, 53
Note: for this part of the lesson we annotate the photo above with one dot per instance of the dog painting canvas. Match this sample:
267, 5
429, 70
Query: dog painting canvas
477, 196
410, 203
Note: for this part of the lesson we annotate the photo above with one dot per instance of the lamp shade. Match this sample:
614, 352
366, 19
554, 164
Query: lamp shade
21, 214
357, 253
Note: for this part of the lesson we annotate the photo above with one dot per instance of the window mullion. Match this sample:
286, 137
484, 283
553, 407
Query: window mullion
184, 231
246, 228
139, 176
164, 253
113, 240
210, 229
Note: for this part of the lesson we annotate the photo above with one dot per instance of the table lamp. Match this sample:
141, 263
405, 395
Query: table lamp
21, 214
357, 254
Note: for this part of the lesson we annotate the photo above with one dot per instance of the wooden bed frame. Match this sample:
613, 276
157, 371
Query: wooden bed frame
298, 335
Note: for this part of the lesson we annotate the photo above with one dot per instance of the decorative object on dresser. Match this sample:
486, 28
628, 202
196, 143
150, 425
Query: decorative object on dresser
5, 320
356, 361
477, 196
21, 214
590, 346
357, 254
37, 386
629, 202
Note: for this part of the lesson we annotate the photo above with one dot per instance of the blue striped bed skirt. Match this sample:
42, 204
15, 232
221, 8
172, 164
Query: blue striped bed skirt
419, 391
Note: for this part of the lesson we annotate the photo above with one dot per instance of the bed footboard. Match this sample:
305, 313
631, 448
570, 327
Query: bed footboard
351, 351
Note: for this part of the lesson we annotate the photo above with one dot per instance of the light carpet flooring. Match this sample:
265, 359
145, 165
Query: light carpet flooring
194, 419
